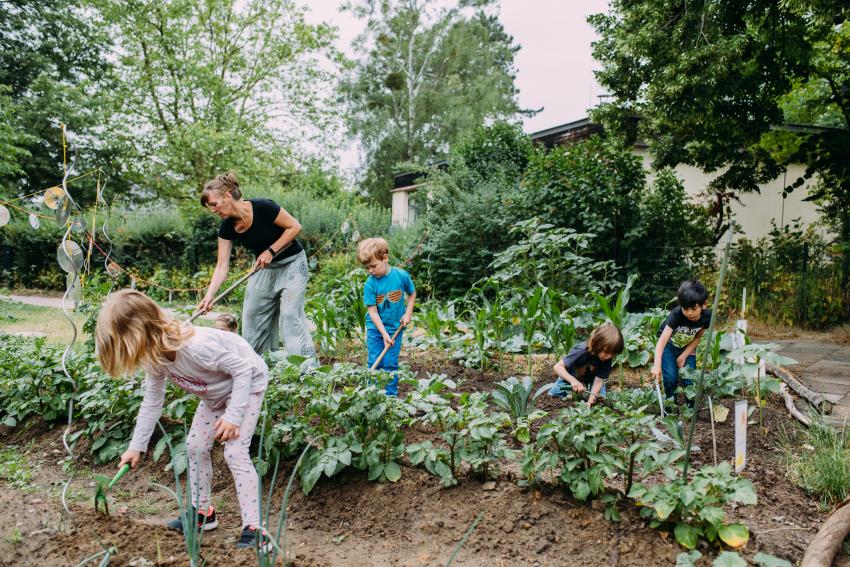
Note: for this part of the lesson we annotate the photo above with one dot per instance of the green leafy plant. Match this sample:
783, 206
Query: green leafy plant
695, 508
513, 395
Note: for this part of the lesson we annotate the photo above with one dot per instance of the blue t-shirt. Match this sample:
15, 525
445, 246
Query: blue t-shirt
388, 293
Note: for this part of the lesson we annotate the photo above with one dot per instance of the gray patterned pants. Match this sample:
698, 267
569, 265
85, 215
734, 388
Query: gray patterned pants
274, 307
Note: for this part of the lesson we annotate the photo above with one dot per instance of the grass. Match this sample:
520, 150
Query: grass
14, 469
16, 317
818, 459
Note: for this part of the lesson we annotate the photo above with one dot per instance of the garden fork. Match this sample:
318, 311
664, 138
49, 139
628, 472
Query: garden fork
103, 484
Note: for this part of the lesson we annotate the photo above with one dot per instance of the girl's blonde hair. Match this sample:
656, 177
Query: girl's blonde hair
226, 183
372, 249
606, 338
132, 331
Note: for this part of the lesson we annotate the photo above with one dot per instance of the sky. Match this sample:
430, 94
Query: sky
554, 65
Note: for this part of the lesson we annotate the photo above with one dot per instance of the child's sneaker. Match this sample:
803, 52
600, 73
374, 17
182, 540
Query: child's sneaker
206, 521
249, 538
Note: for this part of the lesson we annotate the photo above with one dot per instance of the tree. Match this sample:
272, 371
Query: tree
710, 81
218, 84
53, 70
429, 75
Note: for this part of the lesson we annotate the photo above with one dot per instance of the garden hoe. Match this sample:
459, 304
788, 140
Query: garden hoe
386, 348
234, 285
104, 483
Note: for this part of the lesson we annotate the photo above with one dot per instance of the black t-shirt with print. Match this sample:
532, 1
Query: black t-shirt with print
684, 330
584, 366
262, 233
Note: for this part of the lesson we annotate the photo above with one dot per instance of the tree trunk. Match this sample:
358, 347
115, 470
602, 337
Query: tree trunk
827, 543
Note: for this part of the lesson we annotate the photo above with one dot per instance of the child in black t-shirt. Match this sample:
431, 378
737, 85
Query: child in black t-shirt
680, 334
588, 364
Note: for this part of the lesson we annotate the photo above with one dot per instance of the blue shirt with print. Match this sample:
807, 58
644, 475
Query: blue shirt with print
388, 293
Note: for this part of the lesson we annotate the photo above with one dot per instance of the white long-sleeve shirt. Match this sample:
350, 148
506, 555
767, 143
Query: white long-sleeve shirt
219, 367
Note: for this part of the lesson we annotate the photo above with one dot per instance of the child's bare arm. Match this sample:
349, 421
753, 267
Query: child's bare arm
408, 313
688, 350
379, 325
561, 370
659, 351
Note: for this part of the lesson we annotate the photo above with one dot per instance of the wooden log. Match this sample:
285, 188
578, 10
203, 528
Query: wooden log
827, 542
789, 403
816, 399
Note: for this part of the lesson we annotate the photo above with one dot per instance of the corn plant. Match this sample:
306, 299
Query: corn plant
513, 395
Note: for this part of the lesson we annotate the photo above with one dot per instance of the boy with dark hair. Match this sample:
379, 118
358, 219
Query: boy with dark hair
680, 334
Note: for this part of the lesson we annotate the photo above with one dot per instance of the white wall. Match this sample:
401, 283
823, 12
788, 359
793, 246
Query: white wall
755, 211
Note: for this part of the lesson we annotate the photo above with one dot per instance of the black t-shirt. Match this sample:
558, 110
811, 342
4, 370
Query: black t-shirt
584, 366
684, 330
262, 233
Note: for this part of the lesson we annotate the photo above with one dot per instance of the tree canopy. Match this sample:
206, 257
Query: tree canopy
429, 74
708, 83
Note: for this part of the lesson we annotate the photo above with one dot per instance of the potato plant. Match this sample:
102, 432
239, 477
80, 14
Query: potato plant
695, 508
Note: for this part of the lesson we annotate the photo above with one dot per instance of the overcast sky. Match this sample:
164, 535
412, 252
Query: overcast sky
554, 64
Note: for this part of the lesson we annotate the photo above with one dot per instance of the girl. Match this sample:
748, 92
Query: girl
588, 364
274, 299
220, 368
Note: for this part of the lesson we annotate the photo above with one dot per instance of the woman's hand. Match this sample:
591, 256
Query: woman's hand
578, 387
225, 431
130, 456
206, 303
263, 260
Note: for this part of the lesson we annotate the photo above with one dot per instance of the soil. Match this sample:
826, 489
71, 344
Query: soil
349, 520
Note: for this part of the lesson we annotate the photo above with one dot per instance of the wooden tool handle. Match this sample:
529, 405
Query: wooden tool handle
386, 348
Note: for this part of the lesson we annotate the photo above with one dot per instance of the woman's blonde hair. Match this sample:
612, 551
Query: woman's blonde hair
132, 331
372, 249
606, 338
226, 183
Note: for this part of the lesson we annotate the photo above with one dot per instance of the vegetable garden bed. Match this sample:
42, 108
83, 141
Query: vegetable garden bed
349, 520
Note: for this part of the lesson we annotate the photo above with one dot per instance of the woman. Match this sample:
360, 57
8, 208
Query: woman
275, 295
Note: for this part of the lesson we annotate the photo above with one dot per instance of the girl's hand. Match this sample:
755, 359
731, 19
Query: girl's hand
578, 387
263, 260
680, 361
206, 303
130, 456
591, 400
225, 431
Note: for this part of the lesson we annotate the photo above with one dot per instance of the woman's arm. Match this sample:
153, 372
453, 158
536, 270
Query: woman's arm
291, 229
222, 266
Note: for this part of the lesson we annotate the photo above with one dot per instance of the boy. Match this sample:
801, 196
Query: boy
383, 296
225, 322
680, 334
588, 364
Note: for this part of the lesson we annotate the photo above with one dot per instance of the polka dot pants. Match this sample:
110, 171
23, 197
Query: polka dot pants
236, 454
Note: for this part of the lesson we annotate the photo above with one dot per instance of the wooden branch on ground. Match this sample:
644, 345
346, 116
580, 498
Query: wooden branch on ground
827, 543
817, 400
789, 403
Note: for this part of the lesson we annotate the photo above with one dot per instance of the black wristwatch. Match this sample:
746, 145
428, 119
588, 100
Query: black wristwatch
271, 251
